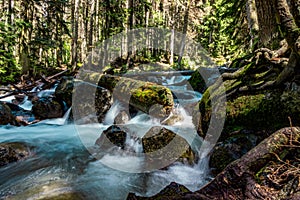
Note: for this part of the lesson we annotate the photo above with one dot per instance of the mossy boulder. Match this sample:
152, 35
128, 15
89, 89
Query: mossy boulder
47, 108
64, 90
113, 136
147, 97
261, 110
13, 152
163, 145
6, 116
90, 103
197, 82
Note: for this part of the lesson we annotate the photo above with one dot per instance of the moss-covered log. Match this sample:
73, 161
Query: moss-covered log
148, 97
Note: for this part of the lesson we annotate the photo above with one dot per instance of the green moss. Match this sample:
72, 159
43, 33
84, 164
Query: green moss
197, 82
266, 110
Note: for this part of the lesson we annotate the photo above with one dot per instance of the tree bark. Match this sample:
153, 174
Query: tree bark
288, 24
185, 27
252, 20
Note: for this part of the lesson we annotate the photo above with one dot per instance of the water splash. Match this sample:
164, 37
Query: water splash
58, 121
112, 113
62, 164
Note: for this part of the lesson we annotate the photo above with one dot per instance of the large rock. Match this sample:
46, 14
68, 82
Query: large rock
262, 110
172, 190
242, 179
13, 152
47, 108
64, 90
233, 148
103, 102
113, 136
122, 118
6, 116
90, 103
164, 146
150, 98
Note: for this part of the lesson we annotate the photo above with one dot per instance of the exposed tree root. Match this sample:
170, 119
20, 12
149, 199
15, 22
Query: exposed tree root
265, 70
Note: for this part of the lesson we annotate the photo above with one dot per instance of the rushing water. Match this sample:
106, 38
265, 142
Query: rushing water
62, 164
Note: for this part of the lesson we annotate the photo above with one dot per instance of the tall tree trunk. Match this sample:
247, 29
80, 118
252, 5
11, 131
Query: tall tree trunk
75, 16
288, 23
252, 21
185, 27
91, 26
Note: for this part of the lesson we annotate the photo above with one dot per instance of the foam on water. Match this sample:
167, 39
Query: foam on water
62, 164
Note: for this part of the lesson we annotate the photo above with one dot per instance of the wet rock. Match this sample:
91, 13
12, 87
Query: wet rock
172, 119
147, 97
64, 90
122, 118
241, 178
103, 102
13, 152
113, 136
19, 99
47, 108
231, 149
6, 116
25, 118
172, 190
22, 117
90, 103
198, 82
163, 145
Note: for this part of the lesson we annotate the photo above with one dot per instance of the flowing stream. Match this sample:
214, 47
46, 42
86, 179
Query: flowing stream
62, 164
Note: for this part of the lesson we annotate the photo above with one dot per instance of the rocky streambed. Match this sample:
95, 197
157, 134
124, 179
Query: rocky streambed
113, 144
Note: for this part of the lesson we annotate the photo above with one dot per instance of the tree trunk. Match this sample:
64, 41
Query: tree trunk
185, 27
288, 23
252, 20
75, 16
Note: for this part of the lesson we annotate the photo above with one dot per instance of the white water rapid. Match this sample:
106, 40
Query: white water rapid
61, 164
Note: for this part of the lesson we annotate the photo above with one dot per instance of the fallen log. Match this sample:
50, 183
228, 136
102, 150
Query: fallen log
159, 74
44, 80
147, 97
25, 89
238, 180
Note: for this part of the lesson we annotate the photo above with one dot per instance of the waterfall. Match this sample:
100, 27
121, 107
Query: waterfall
112, 113
58, 121
26, 104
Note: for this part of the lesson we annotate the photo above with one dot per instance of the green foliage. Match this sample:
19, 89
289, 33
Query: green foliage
8, 63
221, 32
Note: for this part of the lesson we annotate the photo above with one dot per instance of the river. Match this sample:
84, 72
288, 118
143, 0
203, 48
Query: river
61, 163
